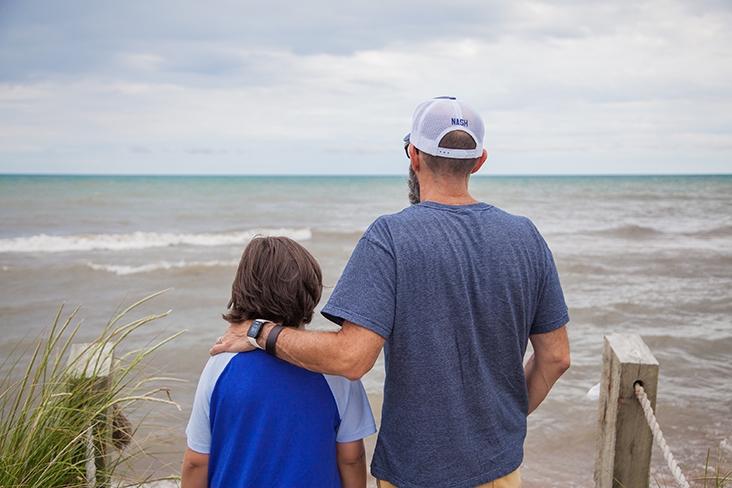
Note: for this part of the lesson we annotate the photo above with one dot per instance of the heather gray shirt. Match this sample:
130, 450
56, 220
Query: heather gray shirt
455, 291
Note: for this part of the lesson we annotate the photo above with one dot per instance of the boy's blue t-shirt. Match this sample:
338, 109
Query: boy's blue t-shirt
455, 291
265, 422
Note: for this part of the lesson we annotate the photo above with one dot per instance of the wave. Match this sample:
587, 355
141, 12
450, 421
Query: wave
633, 232
640, 233
122, 270
723, 231
139, 240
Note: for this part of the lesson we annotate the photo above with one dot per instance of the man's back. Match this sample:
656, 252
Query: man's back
456, 291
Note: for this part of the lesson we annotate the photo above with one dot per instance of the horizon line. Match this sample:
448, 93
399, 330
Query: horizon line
346, 175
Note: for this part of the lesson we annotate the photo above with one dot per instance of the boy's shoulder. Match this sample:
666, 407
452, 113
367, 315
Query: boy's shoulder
214, 367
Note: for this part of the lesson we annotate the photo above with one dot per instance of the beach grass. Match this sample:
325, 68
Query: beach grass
57, 425
717, 472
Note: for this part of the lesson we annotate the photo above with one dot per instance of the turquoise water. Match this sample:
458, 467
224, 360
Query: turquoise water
646, 255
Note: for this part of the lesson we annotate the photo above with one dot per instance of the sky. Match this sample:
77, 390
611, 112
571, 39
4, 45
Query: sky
329, 87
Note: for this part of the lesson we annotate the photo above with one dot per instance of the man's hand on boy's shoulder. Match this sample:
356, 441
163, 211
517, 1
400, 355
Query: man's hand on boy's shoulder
235, 339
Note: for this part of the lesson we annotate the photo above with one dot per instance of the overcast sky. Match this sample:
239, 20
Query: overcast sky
328, 87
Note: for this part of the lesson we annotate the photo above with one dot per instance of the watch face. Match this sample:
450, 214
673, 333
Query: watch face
255, 328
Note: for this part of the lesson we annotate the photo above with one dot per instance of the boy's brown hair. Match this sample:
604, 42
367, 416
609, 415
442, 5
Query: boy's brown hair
277, 280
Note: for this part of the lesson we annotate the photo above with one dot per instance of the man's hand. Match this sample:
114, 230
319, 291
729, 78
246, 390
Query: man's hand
235, 339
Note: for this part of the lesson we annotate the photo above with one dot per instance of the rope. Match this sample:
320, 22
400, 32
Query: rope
658, 436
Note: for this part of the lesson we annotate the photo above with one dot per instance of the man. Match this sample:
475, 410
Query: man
453, 289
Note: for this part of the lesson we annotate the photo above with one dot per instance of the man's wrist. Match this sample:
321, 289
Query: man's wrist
271, 347
262, 339
255, 331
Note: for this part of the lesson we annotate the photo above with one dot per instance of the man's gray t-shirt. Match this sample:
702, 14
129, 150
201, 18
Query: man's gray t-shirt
455, 291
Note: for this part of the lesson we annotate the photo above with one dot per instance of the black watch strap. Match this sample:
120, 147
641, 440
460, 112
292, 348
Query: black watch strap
272, 340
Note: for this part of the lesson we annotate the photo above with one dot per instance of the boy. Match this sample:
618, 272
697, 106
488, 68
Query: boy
258, 421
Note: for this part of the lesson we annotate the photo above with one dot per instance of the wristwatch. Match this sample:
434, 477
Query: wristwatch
255, 330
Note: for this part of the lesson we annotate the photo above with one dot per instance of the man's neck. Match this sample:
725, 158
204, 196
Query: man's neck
447, 194
455, 202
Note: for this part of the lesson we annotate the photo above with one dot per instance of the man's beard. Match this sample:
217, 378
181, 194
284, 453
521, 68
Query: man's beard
413, 185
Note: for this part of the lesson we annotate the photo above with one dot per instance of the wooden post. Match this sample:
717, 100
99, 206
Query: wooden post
90, 365
625, 441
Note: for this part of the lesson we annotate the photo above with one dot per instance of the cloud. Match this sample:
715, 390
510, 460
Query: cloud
79, 36
568, 82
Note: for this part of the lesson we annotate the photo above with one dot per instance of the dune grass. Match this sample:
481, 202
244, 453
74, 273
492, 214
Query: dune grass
52, 417
716, 475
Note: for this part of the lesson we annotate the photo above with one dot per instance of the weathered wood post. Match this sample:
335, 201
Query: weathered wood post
625, 441
90, 368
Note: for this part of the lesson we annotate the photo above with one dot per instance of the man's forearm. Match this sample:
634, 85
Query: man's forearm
547, 364
539, 381
351, 352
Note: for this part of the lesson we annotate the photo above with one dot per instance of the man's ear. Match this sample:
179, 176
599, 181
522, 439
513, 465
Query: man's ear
480, 162
414, 158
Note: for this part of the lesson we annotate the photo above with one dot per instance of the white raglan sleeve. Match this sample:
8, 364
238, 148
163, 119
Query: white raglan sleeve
357, 420
198, 432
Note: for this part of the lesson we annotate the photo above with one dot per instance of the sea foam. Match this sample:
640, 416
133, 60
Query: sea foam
139, 240
122, 270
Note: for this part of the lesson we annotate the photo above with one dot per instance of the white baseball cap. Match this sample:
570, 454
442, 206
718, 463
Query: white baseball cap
434, 118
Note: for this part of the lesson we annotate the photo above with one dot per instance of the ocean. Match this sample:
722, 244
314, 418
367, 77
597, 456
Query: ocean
649, 255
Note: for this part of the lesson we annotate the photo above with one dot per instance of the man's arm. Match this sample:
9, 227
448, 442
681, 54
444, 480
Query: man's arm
351, 457
548, 362
351, 352
195, 470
